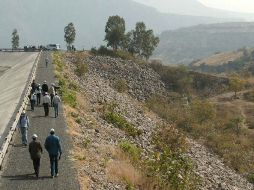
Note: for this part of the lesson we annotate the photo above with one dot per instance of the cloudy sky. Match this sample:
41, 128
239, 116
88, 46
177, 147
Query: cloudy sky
232, 5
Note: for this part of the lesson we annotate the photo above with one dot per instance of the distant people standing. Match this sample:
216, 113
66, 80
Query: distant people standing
52, 145
33, 100
23, 127
38, 94
44, 88
33, 85
46, 102
47, 61
35, 150
52, 92
56, 100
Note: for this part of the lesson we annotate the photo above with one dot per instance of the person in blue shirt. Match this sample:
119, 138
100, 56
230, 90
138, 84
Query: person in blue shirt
23, 127
53, 146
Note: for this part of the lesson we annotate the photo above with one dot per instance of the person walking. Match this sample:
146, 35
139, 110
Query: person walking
33, 101
46, 61
52, 93
46, 102
33, 85
44, 87
35, 150
23, 127
53, 146
56, 100
38, 94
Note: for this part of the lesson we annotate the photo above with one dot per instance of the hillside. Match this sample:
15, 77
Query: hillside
195, 8
119, 142
240, 61
188, 44
219, 59
42, 22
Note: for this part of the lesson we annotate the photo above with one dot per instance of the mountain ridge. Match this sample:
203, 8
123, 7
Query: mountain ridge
188, 44
42, 22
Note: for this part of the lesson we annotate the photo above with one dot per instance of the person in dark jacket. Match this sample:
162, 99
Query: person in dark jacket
33, 85
35, 150
44, 88
52, 145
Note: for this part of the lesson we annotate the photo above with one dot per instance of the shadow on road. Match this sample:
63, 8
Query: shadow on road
38, 116
17, 145
30, 176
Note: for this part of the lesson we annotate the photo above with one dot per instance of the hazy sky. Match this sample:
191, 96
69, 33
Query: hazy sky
233, 5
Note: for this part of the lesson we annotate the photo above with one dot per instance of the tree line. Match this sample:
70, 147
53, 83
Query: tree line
139, 41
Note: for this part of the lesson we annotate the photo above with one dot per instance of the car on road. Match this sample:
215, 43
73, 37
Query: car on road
53, 47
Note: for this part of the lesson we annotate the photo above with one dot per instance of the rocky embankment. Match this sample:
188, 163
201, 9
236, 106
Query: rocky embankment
102, 137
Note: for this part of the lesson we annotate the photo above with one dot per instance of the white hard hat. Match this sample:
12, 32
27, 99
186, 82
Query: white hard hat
34, 136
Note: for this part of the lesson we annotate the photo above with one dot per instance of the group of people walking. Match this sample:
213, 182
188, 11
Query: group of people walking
52, 145
49, 97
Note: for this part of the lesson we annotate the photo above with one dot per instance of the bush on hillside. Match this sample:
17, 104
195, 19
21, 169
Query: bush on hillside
121, 85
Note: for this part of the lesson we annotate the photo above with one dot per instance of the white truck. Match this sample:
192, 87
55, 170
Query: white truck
53, 47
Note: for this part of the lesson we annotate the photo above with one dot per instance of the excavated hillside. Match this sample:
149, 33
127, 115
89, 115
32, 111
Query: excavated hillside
119, 85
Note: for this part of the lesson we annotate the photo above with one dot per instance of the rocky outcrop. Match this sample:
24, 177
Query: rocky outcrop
142, 81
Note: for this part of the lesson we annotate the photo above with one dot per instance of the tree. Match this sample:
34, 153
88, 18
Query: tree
149, 44
115, 29
144, 41
236, 84
15, 39
69, 34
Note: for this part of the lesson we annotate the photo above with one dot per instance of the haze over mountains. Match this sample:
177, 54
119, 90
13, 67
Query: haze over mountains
42, 22
195, 8
188, 44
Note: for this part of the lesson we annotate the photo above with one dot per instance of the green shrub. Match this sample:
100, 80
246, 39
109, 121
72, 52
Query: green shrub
131, 150
69, 97
171, 170
103, 50
86, 142
74, 115
73, 86
121, 85
78, 120
121, 123
81, 69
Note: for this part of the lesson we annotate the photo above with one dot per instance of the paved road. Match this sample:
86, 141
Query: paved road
14, 71
17, 169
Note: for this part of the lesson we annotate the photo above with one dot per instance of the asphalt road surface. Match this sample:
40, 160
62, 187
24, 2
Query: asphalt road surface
14, 73
17, 169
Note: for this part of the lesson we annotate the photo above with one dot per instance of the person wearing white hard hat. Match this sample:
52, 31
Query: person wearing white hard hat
38, 94
56, 101
35, 150
52, 92
53, 146
46, 103
44, 87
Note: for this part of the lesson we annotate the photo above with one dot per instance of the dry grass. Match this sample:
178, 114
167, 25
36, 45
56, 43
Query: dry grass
118, 171
220, 59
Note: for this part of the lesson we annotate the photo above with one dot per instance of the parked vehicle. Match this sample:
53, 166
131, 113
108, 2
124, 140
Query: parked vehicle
53, 47
30, 48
